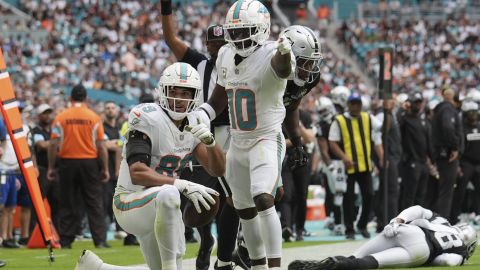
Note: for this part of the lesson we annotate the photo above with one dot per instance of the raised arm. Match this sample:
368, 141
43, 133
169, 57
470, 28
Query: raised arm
178, 47
281, 61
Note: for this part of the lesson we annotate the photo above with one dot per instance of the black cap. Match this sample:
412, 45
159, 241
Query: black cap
415, 96
146, 98
79, 93
215, 33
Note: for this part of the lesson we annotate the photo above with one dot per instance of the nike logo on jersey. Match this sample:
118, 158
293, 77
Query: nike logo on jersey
137, 114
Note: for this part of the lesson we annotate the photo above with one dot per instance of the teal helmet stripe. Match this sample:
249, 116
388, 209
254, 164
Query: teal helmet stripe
183, 75
236, 12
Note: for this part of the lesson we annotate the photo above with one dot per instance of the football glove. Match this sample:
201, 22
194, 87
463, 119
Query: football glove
284, 45
196, 193
391, 230
202, 132
297, 157
198, 116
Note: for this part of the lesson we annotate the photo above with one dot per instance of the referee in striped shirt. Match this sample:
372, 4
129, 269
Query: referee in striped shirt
227, 223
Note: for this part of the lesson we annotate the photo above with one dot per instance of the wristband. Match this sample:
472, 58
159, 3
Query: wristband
166, 8
209, 110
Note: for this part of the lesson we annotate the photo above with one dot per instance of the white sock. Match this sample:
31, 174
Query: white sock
168, 227
253, 238
222, 263
271, 232
274, 268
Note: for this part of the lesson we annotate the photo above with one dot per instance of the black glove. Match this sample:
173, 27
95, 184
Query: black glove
297, 157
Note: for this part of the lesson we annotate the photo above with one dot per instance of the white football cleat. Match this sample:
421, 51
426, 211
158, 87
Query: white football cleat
88, 261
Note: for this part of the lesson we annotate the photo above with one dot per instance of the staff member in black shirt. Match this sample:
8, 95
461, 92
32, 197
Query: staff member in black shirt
41, 137
416, 145
228, 222
446, 138
470, 160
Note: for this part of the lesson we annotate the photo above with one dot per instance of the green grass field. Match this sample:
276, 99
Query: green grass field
120, 255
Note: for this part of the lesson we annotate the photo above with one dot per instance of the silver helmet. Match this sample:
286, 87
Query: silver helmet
307, 51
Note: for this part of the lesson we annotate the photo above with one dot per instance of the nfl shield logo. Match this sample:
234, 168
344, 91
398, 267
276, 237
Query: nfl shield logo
182, 137
224, 73
217, 31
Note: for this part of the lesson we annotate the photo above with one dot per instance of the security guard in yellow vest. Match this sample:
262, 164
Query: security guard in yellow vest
350, 138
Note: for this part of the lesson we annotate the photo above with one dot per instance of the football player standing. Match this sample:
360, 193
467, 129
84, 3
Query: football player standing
252, 75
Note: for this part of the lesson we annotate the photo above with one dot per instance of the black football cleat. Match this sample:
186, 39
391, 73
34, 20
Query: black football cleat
330, 263
241, 258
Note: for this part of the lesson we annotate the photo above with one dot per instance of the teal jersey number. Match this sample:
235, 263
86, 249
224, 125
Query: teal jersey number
169, 165
149, 108
242, 110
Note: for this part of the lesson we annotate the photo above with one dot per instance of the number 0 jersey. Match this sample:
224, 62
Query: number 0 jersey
255, 93
171, 148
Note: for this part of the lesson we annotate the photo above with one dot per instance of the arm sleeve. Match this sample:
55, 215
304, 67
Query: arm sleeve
448, 259
415, 212
193, 57
334, 133
138, 148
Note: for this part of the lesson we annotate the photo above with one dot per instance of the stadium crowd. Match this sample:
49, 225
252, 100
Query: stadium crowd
123, 51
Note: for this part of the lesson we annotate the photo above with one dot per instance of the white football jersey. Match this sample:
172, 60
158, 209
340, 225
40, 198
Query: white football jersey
255, 93
171, 148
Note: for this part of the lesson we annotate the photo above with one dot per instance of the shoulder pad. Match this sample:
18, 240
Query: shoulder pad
142, 117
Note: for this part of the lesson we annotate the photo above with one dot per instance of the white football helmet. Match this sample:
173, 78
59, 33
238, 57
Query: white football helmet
326, 110
469, 105
339, 95
469, 237
179, 75
247, 26
473, 95
308, 53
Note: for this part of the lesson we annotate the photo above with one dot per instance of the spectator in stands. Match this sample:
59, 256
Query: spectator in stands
323, 15
350, 138
447, 135
301, 13
78, 135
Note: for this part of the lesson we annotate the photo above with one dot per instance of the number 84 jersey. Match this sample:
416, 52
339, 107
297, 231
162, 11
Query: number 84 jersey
255, 93
171, 148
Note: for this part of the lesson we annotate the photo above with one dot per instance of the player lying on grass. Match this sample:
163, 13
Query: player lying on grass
147, 197
416, 237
